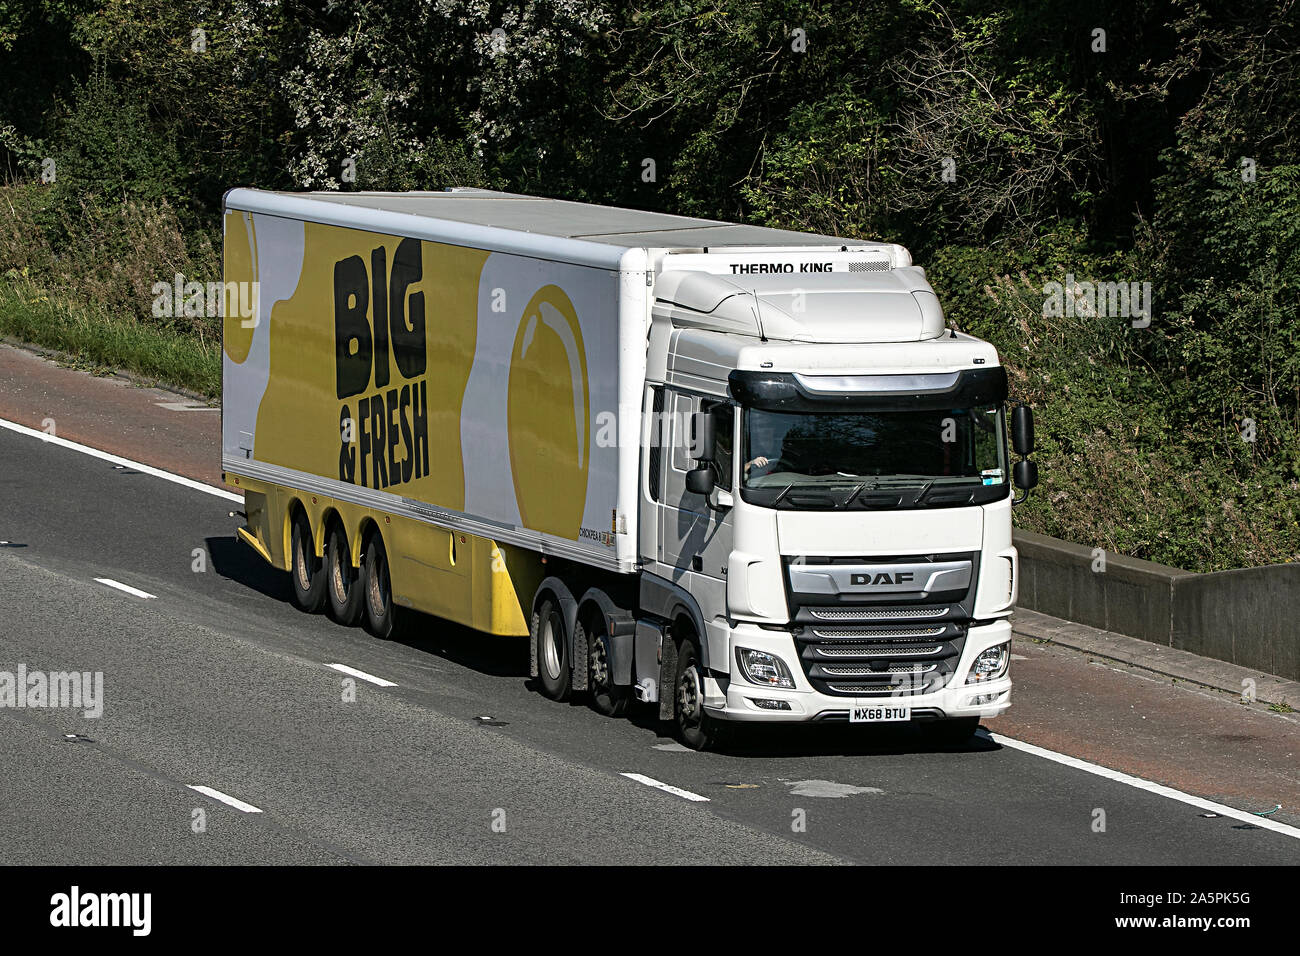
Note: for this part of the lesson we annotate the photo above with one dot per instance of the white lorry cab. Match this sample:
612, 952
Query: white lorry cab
729, 472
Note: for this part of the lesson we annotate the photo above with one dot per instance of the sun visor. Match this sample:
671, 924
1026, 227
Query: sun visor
801, 392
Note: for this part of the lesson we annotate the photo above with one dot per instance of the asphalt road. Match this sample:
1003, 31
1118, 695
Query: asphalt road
218, 681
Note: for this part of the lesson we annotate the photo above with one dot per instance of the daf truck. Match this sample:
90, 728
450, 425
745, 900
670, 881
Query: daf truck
724, 472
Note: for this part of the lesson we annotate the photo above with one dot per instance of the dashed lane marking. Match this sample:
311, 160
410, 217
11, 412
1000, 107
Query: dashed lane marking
135, 592
666, 788
362, 675
225, 798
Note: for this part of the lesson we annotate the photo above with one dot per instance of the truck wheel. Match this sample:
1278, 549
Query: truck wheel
607, 697
380, 613
552, 651
305, 567
696, 729
344, 590
951, 731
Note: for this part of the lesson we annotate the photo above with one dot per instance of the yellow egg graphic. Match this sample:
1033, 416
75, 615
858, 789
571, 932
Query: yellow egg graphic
547, 407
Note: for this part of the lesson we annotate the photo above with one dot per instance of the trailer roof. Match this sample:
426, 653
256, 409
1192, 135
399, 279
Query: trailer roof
622, 228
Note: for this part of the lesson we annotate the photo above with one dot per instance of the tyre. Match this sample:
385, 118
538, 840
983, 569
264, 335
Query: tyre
607, 697
304, 567
552, 642
695, 728
951, 731
380, 613
343, 589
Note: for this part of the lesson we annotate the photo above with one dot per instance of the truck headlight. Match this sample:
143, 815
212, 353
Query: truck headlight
990, 663
760, 667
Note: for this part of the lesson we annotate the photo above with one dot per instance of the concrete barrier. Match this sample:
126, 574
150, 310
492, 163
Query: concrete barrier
1246, 617
1249, 616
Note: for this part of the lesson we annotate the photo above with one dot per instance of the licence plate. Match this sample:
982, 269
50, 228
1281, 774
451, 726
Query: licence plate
878, 714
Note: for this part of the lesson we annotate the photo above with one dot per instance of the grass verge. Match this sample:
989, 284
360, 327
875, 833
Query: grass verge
95, 338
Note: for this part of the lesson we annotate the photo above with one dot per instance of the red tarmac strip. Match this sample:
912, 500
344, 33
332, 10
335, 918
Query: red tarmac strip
111, 414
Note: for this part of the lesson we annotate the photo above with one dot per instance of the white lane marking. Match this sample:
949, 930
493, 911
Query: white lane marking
362, 675
1075, 762
660, 785
225, 798
187, 407
1147, 785
119, 460
125, 587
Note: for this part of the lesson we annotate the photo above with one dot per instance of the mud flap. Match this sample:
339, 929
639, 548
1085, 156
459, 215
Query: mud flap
667, 678
622, 649
532, 645
578, 672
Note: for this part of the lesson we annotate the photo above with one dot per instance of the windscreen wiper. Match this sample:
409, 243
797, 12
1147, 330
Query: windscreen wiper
857, 489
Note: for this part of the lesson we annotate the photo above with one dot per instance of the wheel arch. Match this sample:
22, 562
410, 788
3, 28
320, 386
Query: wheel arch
618, 623
291, 511
369, 525
328, 517
674, 604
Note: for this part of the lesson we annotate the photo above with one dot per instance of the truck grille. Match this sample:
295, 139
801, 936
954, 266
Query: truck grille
867, 690
890, 650
878, 633
867, 614
837, 670
883, 666
890, 645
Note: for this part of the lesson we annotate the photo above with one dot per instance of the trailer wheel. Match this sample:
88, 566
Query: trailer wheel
696, 728
607, 697
552, 646
344, 589
304, 567
380, 613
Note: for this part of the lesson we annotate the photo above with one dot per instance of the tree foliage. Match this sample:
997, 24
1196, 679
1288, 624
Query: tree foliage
1009, 145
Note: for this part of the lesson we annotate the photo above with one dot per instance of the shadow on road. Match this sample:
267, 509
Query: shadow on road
495, 656
507, 657
233, 559
828, 740
485, 653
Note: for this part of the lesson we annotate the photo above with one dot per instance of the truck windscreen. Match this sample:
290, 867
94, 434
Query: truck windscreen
878, 459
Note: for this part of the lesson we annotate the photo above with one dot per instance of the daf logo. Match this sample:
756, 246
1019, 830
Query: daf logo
920, 578
884, 577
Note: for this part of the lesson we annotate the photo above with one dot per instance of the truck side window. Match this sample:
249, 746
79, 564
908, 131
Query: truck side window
722, 455
657, 441
678, 427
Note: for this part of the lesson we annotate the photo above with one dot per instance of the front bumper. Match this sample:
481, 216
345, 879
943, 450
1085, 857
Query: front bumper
734, 698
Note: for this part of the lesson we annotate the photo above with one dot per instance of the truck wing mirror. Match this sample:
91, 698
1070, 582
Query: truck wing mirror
1022, 430
1025, 474
703, 437
699, 481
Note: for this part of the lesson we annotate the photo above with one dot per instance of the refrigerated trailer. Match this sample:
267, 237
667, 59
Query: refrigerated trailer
731, 473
